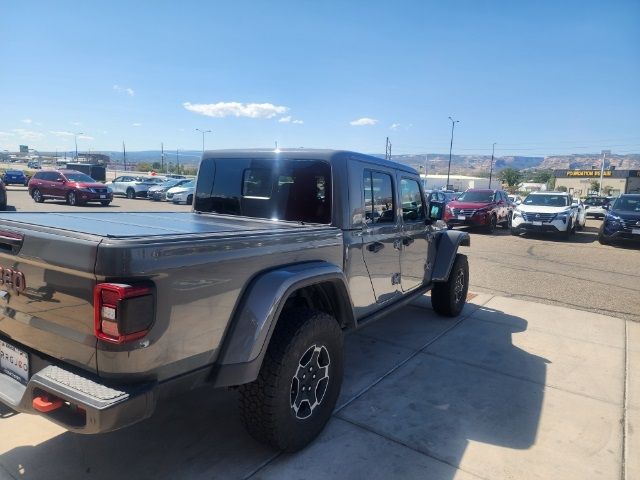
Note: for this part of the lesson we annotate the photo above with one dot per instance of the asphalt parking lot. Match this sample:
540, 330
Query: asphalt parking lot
539, 378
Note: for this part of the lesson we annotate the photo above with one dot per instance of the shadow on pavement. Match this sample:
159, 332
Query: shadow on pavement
438, 402
451, 395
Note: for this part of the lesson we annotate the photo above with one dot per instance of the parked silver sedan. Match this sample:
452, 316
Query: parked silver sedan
133, 186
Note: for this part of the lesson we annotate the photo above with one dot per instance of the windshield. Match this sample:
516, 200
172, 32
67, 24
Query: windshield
170, 183
547, 200
476, 196
596, 201
298, 190
78, 177
628, 204
14, 172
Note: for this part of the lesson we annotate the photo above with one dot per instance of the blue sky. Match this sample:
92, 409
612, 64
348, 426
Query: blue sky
536, 77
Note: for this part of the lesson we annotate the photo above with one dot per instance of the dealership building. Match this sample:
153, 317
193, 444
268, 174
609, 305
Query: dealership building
578, 182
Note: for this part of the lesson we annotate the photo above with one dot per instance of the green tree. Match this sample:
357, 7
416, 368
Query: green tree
144, 167
156, 165
562, 188
542, 176
595, 185
510, 176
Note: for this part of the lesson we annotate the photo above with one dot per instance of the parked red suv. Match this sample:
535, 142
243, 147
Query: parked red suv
480, 208
75, 187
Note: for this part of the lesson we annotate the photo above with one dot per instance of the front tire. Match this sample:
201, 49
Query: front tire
131, 193
493, 221
72, 199
190, 200
292, 399
602, 239
105, 204
37, 196
448, 298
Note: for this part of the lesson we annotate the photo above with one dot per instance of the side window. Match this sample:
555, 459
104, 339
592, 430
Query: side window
379, 206
257, 183
411, 200
119, 179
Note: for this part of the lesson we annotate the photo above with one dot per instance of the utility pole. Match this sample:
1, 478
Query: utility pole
75, 138
493, 150
161, 156
124, 156
177, 162
387, 150
604, 155
453, 124
203, 132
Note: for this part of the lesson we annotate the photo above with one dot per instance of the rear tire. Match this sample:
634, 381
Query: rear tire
602, 239
105, 204
276, 408
131, 193
37, 196
448, 298
515, 232
190, 200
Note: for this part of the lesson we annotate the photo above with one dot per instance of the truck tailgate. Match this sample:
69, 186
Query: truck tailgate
46, 291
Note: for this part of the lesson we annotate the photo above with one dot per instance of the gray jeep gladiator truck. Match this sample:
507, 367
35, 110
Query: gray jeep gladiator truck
103, 314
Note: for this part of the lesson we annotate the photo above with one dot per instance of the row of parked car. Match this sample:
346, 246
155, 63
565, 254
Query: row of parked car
543, 212
77, 188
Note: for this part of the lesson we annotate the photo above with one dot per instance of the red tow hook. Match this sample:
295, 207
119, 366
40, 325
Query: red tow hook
45, 404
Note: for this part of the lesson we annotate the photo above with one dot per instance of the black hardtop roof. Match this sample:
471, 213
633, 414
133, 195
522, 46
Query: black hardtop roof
306, 154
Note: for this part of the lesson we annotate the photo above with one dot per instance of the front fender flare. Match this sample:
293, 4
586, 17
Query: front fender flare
446, 249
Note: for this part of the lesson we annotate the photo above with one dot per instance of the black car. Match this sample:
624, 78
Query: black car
622, 221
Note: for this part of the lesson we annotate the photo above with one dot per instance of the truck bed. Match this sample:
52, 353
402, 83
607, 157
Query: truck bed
143, 224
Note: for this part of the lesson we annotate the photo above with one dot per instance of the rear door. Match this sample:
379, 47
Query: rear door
414, 265
381, 233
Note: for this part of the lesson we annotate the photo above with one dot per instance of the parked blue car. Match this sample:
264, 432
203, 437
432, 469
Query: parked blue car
622, 221
15, 176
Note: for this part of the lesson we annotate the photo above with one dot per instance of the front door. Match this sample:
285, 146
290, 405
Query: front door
415, 262
381, 235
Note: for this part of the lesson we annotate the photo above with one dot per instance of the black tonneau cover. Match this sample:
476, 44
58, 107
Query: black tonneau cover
144, 224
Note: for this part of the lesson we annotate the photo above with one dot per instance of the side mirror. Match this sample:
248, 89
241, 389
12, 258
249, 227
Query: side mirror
436, 211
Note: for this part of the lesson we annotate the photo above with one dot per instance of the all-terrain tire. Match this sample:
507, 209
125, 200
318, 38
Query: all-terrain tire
267, 405
448, 298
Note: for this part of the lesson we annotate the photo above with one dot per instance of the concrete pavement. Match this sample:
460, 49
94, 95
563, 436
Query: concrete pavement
511, 389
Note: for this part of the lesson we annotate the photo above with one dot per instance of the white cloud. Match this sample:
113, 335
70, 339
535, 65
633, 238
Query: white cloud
236, 109
85, 137
289, 119
6, 134
27, 120
394, 126
129, 91
363, 122
61, 133
27, 134
136, 124
77, 124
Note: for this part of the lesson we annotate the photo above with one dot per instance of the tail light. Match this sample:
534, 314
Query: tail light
123, 313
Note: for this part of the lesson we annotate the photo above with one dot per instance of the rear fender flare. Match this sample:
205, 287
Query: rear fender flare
261, 304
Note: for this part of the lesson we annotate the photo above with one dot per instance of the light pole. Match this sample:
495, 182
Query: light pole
203, 132
453, 124
493, 150
75, 138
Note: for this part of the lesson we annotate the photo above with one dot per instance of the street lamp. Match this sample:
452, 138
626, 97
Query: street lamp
203, 132
75, 138
453, 124
493, 150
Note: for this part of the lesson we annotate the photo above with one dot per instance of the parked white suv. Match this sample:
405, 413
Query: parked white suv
554, 212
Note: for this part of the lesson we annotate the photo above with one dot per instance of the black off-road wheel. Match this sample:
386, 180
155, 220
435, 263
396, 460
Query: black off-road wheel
131, 193
491, 227
292, 399
448, 298
37, 196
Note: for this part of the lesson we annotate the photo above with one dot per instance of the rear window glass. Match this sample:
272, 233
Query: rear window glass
282, 189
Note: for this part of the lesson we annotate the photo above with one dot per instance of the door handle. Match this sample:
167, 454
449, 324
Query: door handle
375, 247
406, 241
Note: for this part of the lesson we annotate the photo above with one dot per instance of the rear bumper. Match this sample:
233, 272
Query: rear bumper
86, 404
